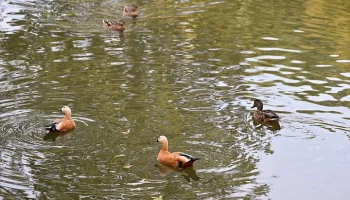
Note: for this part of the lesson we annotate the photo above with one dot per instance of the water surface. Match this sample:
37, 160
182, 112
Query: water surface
189, 70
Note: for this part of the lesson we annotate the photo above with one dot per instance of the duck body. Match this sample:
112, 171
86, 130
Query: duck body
115, 25
175, 159
131, 10
64, 124
264, 115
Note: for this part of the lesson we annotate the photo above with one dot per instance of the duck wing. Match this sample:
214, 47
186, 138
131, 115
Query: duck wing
185, 160
188, 156
53, 126
270, 114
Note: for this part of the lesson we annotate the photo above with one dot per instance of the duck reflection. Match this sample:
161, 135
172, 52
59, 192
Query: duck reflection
188, 173
272, 125
52, 136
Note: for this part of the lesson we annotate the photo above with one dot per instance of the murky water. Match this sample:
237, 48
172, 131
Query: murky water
185, 69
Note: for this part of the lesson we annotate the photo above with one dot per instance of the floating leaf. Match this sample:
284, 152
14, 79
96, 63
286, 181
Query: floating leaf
158, 198
112, 171
118, 156
127, 132
127, 166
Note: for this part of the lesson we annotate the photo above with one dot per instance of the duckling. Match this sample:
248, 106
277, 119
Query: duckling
115, 25
175, 159
263, 115
64, 124
130, 10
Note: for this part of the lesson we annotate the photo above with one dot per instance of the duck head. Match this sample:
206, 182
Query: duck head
162, 139
67, 111
258, 104
133, 7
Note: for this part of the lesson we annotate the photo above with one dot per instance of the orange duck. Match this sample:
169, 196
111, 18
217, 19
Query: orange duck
130, 10
64, 124
175, 159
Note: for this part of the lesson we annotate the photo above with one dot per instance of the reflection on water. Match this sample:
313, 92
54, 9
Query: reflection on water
273, 126
188, 173
184, 70
52, 136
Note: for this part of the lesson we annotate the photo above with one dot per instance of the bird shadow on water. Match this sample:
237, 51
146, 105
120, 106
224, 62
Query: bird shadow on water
273, 125
52, 136
188, 173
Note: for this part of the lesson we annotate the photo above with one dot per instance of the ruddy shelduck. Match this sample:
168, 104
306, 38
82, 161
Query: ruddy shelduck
64, 124
130, 10
264, 115
175, 159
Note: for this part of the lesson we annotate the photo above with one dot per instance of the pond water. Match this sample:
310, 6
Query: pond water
188, 70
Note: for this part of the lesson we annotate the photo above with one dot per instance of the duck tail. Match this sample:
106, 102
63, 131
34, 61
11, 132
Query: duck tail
106, 22
194, 159
51, 127
190, 162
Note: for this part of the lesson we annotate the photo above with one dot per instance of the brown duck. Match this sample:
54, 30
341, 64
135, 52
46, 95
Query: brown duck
263, 115
115, 25
130, 10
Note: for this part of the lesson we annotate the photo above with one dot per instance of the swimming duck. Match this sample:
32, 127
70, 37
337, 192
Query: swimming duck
130, 10
115, 25
175, 159
64, 124
263, 115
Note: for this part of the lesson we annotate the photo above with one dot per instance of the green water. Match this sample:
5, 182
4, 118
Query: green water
188, 70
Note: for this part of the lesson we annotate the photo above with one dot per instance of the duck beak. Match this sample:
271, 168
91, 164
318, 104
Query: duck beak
157, 140
253, 106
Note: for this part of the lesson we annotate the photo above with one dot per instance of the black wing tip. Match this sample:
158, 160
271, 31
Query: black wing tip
189, 157
51, 127
194, 159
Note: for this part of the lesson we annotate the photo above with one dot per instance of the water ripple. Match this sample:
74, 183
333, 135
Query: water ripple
184, 70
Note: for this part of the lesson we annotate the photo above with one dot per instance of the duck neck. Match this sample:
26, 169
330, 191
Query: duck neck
68, 116
164, 146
